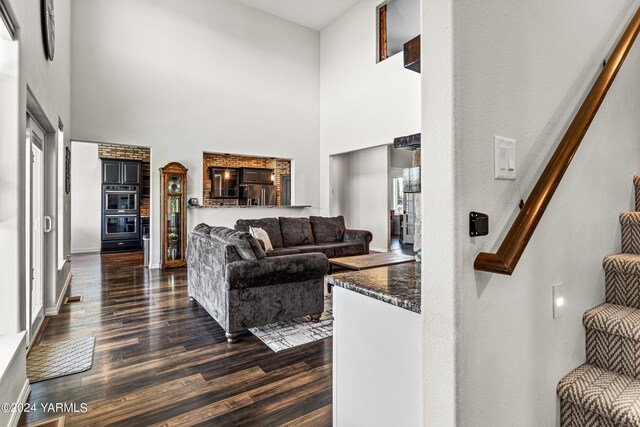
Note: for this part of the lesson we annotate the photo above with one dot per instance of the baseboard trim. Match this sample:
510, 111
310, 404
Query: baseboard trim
154, 266
85, 251
24, 395
53, 311
378, 249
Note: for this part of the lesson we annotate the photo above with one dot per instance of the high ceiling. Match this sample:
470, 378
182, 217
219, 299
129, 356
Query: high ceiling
314, 14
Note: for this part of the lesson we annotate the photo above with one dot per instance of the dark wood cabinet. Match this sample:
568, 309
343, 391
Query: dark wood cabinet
111, 171
120, 172
256, 176
131, 172
224, 183
146, 179
266, 176
250, 176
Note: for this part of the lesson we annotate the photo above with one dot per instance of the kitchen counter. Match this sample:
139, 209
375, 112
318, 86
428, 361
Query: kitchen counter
397, 285
251, 207
377, 324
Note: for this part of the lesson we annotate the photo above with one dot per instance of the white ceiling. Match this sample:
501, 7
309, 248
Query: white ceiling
314, 14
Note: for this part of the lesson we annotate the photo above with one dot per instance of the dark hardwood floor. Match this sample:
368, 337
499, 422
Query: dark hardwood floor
162, 360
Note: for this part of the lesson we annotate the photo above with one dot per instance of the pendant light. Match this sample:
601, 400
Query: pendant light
226, 165
273, 174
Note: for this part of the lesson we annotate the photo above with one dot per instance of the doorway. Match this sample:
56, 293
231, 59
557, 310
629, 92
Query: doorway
39, 224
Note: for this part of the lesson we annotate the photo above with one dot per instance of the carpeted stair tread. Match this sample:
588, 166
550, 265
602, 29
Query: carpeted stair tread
613, 396
630, 228
615, 320
630, 218
622, 263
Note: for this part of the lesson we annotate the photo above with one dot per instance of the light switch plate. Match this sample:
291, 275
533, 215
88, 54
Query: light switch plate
504, 158
559, 292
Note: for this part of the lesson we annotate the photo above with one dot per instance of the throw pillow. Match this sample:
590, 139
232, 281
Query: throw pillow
262, 235
296, 231
328, 230
270, 225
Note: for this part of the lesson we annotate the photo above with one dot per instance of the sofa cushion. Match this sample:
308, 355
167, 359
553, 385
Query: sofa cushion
270, 225
275, 271
296, 231
246, 245
348, 249
326, 249
327, 229
283, 251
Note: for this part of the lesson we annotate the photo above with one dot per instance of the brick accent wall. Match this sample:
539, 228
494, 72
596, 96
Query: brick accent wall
128, 152
219, 160
124, 152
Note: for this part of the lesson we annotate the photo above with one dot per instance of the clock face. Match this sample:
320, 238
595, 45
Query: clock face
48, 28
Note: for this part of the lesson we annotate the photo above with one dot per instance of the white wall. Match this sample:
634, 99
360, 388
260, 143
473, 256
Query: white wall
363, 104
360, 185
49, 82
85, 203
188, 77
520, 70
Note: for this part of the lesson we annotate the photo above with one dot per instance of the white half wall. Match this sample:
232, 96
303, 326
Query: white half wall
359, 188
184, 77
363, 103
85, 201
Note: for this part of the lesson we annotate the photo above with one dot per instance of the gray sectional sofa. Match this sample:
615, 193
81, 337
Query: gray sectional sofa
231, 277
241, 286
310, 235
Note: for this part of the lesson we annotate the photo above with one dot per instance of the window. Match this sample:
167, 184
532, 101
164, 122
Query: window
398, 22
62, 259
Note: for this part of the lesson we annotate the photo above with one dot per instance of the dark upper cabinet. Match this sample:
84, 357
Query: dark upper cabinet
265, 176
250, 176
131, 172
111, 171
256, 176
120, 172
224, 183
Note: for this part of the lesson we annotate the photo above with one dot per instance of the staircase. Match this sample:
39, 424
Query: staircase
605, 391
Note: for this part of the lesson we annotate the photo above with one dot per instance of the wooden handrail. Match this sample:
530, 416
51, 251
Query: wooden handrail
504, 261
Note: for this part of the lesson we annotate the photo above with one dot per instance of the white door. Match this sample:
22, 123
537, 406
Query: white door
39, 224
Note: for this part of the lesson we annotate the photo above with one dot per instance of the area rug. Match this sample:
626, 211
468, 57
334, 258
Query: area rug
59, 359
284, 335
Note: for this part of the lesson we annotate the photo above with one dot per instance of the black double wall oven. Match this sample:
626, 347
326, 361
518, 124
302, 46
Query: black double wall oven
120, 206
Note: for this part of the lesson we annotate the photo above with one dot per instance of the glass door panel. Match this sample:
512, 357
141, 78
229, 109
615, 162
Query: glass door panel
122, 201
174, 227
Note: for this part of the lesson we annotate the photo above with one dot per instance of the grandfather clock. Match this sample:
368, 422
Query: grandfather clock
173, 220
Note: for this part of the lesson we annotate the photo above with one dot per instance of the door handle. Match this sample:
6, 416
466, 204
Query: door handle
48, 224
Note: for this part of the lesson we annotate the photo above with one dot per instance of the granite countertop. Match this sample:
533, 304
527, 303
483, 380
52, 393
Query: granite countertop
398, 285
250, 207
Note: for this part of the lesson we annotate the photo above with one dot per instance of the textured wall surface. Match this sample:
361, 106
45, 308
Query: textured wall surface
520, 70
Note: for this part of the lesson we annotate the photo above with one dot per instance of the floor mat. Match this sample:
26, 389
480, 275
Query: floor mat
59, 359
284, 335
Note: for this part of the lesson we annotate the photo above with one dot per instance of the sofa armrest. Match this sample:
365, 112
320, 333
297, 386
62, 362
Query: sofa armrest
363, 237
276, 270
